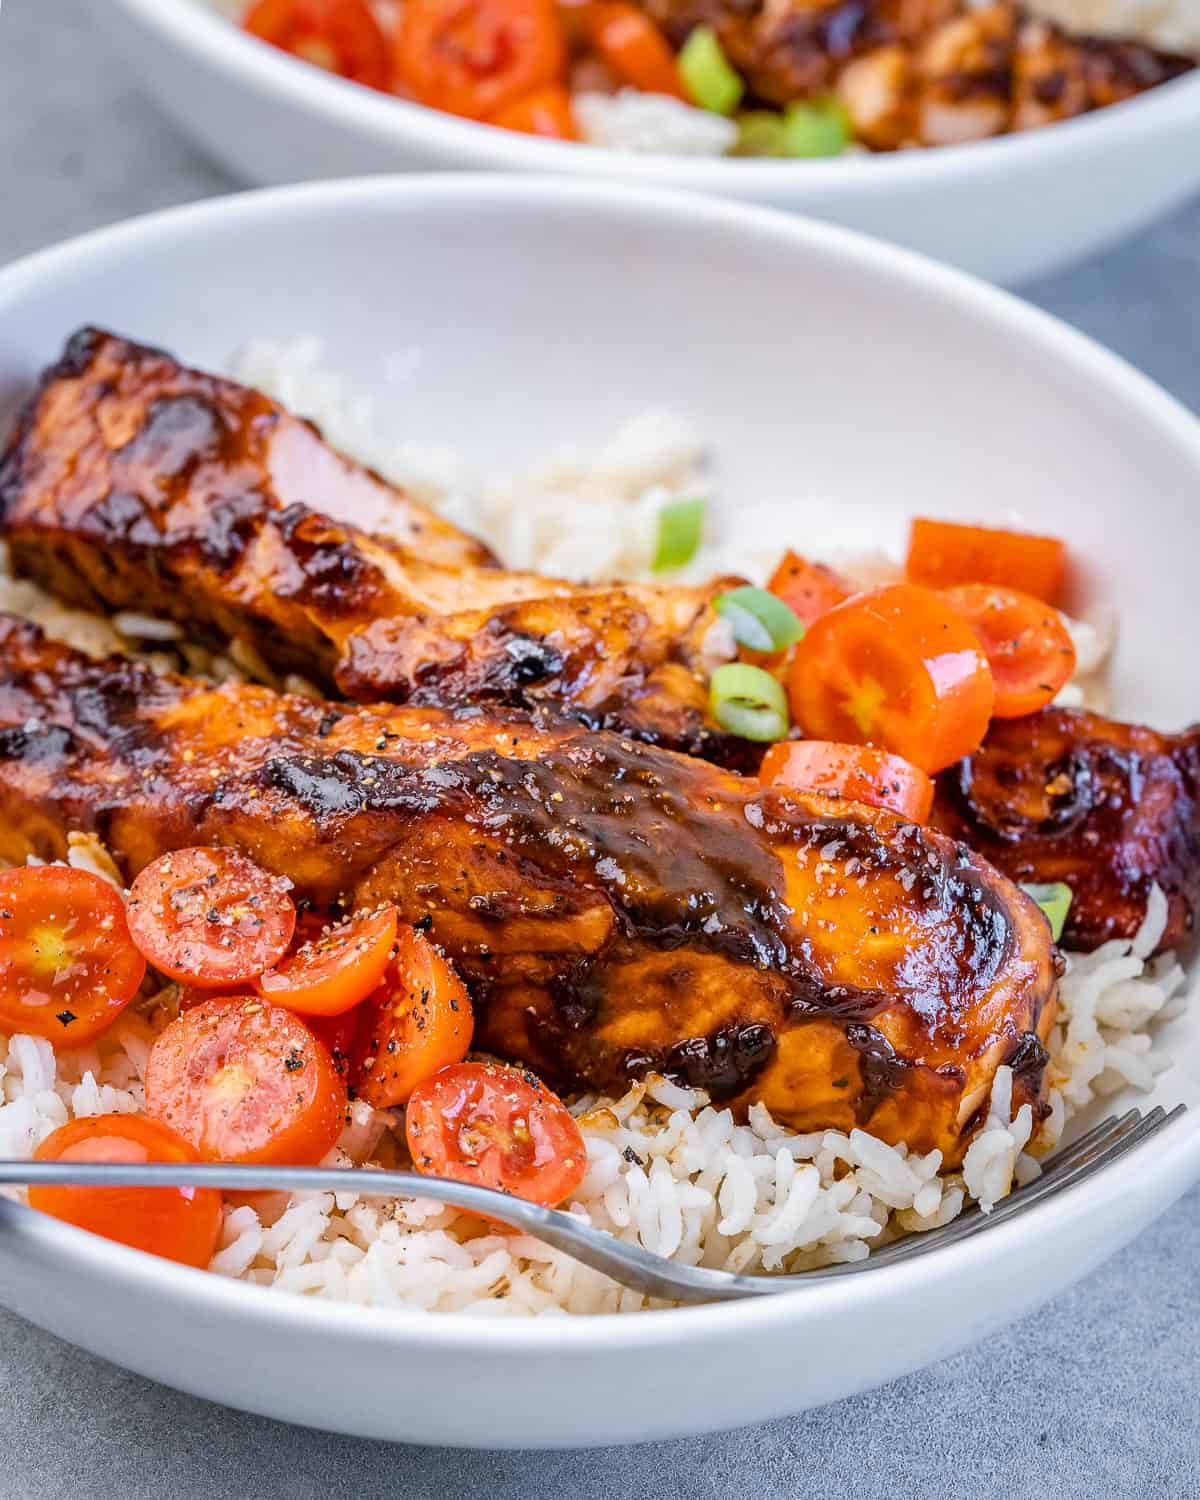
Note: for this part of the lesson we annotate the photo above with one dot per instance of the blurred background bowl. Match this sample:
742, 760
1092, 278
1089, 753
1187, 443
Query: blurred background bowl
1007, 209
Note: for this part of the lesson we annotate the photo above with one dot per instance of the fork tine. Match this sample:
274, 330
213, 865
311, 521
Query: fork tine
1061, 1170
1106, 1146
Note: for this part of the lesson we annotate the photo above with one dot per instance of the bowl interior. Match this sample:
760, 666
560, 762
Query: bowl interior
842, 386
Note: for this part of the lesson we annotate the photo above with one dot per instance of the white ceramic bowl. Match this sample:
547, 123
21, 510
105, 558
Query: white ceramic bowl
1006, 209
823, 365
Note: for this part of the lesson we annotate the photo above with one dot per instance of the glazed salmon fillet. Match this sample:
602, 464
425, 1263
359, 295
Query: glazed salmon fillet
132, 482
1110, 809
614, 908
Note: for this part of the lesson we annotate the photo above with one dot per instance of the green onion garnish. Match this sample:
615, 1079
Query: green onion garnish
820, 127
1055, 901
680, 527
748, 702
759, 619
710, 81
760, 133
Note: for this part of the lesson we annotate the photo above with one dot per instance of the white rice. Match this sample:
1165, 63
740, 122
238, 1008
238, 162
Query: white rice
630, 120
667, 1169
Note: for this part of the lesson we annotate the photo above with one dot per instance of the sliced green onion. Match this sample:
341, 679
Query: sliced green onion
760, 133
759, 619
820, 127
748, 702
680, 527
710, 81
1055, 901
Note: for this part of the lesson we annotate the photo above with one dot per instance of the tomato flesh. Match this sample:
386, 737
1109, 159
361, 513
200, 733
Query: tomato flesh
1028, 647
68, 966
498, 1127
546, 112
247, 1081
210, 917
897, 668
476, 57
182, 1224
333, 971
341, 36
635, 49
859, 772
417, 1021
809, 589
942, 554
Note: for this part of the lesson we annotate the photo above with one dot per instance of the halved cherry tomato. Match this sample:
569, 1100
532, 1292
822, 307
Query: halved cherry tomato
498, 1127
333, 972
418, 1020
898, 668
68, 966
341, 36
210, 917
545, 112
809, 589
181, 1224
856, 771
243, 1080
338, 1033
1025, 641
944, 553
476, 57
635, 49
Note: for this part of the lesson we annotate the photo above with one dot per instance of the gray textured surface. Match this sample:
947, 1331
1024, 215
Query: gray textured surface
1094, 1397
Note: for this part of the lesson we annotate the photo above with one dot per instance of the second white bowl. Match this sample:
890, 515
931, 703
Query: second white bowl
1006, 209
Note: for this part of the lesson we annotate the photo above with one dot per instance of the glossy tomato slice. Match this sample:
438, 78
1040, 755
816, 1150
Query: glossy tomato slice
210, 917
497, 1127
857, 771
898, 668
243, 1080
341, 36
68, 966
181, 1224
333, 971
476, 57
1028, 648
417, 1021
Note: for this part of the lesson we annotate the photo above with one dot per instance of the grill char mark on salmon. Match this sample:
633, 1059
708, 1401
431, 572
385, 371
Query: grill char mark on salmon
1110, 809
132, 482
615, 908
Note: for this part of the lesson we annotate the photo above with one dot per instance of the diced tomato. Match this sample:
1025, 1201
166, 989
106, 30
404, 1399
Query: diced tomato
1028, 647
341, 36
68, 966
179, 1223
418, 1020
809, 589
333, 972
243, 1080
210, 917
476, 57
898, 668
635, 49
856, 771
942, 554
498, 1127
545, 112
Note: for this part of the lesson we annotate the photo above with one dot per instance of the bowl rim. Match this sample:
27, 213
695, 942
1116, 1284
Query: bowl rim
1175, 1162
203, 32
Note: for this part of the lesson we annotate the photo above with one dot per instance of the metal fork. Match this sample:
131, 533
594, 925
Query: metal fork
653, 1275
